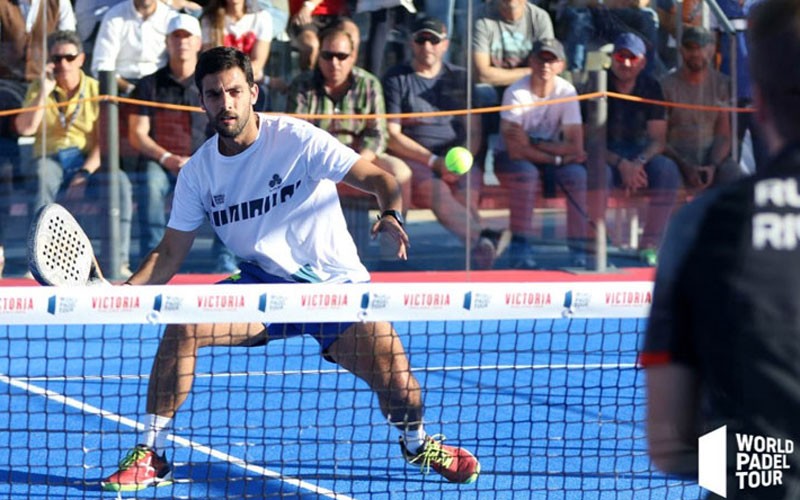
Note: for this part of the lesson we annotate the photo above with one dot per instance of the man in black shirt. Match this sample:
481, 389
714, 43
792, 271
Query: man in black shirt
637, 136
165, 138
723, 340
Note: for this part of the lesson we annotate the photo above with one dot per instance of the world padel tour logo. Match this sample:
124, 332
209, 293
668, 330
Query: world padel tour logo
374, 301
476, 300
61, 305
271, 302
167, 303
574, 301
760, 461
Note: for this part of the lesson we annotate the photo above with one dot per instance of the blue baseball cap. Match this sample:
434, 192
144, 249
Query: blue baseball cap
630, 42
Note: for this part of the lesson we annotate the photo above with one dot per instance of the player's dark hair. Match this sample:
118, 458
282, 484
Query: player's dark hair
64, 36
221, 59
774, 40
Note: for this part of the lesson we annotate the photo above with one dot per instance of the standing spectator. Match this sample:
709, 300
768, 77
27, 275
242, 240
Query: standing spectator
583, 22
542, 141
503, 38
166, 138
736, 11
387, 19
722, 341
456, 25
699, 140
336, 86
71, 163
430, 84
234, 23
637, 135
132, 41
22, 27
308, 18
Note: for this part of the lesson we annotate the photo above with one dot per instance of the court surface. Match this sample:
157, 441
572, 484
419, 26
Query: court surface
552, 408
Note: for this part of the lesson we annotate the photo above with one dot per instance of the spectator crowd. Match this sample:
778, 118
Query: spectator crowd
372, 57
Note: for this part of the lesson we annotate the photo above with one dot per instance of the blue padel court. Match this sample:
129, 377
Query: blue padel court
552, 408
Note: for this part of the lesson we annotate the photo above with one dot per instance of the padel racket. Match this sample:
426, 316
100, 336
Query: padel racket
59, 252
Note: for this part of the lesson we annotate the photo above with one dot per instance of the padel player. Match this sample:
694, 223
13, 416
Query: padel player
267, 185
723, 340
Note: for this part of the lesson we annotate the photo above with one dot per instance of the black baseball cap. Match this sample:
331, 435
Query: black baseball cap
429, 25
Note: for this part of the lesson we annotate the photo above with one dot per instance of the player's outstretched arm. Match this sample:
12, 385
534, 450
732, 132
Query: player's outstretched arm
165, 260
372, 179
672, 417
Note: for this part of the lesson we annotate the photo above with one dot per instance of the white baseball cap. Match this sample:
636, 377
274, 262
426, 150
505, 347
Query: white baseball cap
184, 22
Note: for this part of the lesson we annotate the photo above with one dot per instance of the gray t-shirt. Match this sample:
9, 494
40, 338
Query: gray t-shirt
691, 131
509, 43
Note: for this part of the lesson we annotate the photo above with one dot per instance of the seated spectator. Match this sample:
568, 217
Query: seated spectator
22, 27
234, 23
429, 84
71, 163
542, 141
337, 86
89, 14
637, 135
699, 140
131, 41
166, 138
583, 22
502, 40
309, 18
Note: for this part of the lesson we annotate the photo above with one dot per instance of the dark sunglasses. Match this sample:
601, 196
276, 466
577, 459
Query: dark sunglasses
57, 58
420, 40
622, 57
329, 56
546, 57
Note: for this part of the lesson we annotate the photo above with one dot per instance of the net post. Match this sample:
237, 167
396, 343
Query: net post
109, 109
597, 170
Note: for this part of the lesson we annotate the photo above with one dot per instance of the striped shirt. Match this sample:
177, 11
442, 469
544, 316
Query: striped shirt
364, 96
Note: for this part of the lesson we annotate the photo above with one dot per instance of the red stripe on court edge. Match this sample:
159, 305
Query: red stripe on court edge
500, 276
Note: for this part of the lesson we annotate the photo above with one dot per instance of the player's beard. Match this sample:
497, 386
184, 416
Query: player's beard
234, 129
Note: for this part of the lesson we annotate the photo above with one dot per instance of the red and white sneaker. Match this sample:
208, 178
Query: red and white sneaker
457, 465
140, 468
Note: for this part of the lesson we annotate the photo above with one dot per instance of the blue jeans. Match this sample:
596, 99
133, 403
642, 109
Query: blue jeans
522, 177
663, 181
50, 184
155, 185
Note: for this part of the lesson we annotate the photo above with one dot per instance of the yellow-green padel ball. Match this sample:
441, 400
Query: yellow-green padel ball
458, 160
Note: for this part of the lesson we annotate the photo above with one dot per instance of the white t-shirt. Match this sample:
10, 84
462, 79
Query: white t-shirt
542, 122
275, 204
127, 43
244, 33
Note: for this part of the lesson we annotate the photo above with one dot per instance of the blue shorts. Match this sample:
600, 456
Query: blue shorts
324, 333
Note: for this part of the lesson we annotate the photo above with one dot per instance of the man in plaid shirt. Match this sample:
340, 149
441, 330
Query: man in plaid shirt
337, 87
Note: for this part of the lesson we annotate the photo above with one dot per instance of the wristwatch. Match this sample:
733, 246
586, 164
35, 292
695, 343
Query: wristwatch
393, 213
